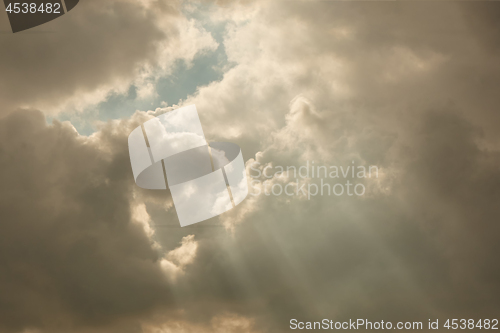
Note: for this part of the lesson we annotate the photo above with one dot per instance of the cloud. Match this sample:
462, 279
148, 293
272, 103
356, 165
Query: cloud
225, 323
336, 82
97, 49
71, 251
176, 260
79, 249
409, 87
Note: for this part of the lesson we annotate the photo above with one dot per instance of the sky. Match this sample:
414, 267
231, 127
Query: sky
410, 87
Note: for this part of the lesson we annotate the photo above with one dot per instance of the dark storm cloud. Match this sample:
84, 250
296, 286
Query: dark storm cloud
417, 97
457, 190
69, 252
424, 249
73, 256
99, 43
483, 18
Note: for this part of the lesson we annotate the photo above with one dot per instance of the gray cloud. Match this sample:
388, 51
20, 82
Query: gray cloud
97, 48
69, 250
409, 87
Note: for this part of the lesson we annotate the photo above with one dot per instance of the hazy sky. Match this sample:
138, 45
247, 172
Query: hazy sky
411, 87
